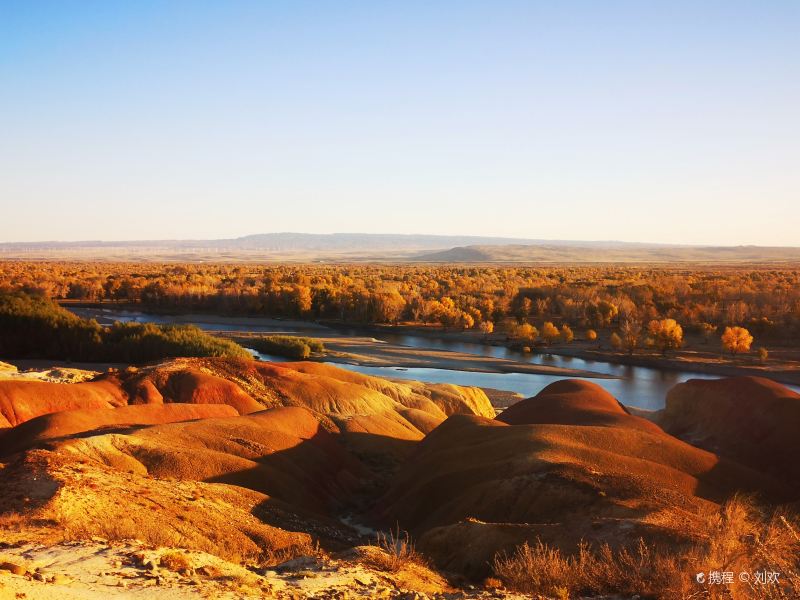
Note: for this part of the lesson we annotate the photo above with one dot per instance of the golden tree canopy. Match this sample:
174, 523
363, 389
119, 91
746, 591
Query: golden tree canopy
550, 332
666, 333
736, 340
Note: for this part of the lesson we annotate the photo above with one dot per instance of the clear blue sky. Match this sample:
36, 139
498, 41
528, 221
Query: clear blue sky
646, 121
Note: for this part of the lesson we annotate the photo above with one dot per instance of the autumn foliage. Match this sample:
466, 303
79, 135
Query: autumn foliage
35, 327
736, 340
764, 300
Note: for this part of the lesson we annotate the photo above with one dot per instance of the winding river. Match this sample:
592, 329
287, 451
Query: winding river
641, 387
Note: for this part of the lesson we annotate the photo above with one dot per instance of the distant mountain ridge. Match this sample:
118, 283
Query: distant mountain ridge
364, 247
621, 253
318, 241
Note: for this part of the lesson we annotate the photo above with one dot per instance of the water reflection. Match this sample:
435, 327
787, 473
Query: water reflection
640, 391
642, 387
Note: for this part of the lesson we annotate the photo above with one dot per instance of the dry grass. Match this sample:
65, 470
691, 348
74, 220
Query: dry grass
175, 561
738, 539
12, 521
235, 548
398, 551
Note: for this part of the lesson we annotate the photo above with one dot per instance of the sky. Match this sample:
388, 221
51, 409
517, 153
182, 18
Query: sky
667, 121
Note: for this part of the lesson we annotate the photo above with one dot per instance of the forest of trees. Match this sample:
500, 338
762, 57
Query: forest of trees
626, 300
32, 326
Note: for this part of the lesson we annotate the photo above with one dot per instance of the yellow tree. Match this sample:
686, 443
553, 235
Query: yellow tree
465, 320
591, 335
566, 333
525, 332
666, 334
616, 341
736, 339
630, 330
549, 332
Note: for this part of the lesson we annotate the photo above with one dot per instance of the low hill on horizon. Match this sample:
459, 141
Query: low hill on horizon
368, 247
611, 252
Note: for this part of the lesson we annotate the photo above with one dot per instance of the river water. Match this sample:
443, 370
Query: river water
642, 387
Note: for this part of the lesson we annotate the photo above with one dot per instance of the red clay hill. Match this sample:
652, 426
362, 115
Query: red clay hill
260, 461
751, 420
238, 458
567, 465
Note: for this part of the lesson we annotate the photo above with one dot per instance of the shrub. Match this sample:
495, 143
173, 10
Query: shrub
398, 551
137, 342
737, 539
175, 561
299, 348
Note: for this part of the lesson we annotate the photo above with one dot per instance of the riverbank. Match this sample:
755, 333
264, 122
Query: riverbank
783, 366
470, 358
372, 352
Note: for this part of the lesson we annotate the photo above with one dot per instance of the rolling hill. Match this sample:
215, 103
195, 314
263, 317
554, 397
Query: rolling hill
367, 247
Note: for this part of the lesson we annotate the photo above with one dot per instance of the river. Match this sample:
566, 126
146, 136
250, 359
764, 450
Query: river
641, 387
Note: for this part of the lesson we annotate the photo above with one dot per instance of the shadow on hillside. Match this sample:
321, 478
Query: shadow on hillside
728, 478
314, 483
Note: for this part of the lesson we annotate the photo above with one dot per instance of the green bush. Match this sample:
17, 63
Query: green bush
299, 348
35, 327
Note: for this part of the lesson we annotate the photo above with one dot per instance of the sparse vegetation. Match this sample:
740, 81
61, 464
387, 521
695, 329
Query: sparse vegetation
738, 539
398, 551
175, 561
299, 348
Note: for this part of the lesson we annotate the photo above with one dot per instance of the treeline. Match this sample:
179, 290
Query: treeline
703, 300
32, 326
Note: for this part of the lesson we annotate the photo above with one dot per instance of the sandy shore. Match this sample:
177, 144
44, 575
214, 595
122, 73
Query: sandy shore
369, 352
781, 367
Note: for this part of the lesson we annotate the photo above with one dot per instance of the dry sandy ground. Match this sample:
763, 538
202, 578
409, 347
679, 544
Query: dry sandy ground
96, 570
51, 374
369, 352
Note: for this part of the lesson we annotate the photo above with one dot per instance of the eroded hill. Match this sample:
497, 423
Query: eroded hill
260, 463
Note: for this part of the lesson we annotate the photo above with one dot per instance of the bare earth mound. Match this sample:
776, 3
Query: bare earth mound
24, 400
752, 420
70, 422
574, 402
476, 486
259, 463
262, 486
